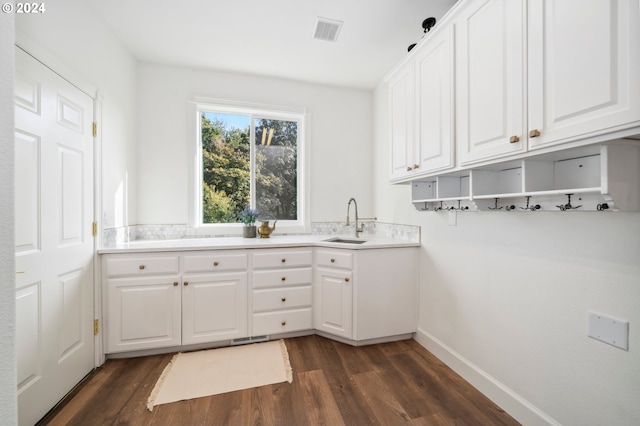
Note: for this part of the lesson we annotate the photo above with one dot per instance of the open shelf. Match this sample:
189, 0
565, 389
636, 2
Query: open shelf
600, 177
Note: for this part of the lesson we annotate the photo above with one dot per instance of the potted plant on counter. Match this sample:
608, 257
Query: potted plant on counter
248, 217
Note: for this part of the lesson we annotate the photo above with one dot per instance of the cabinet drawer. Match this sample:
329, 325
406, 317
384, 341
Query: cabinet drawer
335, 258
281, 322
282, 277
281, 298
211, 262
141, 265
282, 259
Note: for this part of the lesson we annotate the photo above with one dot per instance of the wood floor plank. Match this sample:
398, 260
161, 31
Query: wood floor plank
320, 405
333, 383
381, 399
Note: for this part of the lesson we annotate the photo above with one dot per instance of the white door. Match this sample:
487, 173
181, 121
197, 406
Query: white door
214, 307
434, 103
584, 64
54, 240
401, 123
143, 313
333, 302
490, 59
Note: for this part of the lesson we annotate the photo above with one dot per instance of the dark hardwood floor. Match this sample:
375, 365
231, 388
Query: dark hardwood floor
333, 384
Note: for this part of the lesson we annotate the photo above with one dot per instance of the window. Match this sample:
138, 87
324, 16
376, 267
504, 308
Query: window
248, 157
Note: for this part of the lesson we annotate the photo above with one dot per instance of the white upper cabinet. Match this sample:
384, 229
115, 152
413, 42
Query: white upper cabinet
490, 58
401, 102
584, 69
421, 109
434, 104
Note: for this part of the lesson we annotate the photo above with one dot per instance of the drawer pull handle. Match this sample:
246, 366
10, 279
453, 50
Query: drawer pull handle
186, 283
215, 263
333, 260
283, 323
346, 280
284, 299
283, 278
141, 267
283, 260
514, 139
175, 283
534, 133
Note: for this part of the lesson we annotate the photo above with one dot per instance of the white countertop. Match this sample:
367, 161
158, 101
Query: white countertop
275, 241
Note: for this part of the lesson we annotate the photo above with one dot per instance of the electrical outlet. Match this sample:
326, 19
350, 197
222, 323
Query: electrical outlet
609, 330
453, 218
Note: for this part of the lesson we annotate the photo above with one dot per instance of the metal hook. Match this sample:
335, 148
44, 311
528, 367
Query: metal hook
568, 206
460, 208
495, 206
437, 209
602, 207
425, 208
531, 208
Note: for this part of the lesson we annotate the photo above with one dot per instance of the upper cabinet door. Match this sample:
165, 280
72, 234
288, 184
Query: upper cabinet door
584, 69
401, 103
434, 103
490, 80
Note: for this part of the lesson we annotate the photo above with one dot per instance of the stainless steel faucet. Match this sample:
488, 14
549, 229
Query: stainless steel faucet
358, 230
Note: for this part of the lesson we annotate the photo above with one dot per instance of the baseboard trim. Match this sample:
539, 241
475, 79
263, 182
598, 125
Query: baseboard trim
517, 407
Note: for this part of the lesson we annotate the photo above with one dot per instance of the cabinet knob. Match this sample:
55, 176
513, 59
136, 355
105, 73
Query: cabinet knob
409, 169
534, 133
416, 166
283, 278
346, 280
283, 323
333, 260
215, 263
175, 283
284, 299
514, 139
283, 260
186, 283
141, 267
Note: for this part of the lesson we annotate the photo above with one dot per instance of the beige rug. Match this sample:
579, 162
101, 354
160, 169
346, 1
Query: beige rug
211, 372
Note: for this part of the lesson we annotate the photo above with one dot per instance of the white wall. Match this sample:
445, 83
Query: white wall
8, 386
75, 36
340, 138
507, 294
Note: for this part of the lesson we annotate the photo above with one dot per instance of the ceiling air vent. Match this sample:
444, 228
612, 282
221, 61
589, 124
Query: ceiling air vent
327, 29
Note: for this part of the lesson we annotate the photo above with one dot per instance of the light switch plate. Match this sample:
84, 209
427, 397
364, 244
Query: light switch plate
609, 330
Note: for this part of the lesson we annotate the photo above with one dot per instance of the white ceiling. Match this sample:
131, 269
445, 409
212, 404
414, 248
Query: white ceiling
273, 37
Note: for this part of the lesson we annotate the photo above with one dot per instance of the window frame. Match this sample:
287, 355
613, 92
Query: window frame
196, 226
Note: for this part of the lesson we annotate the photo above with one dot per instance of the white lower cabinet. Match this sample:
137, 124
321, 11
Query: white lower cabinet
160, 300
214, 307
143, 313
205, 301
333, 301
366, 294
281, 296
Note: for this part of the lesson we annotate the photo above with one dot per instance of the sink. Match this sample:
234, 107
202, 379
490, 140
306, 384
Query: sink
345, 241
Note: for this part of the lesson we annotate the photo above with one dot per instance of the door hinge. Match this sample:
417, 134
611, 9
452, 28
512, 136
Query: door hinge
95, 228
96, 327
95, 129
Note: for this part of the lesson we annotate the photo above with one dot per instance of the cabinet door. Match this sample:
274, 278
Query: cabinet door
489, 80
434, 103
401, 103
332, 302
584, 64
143, 313
214, 307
